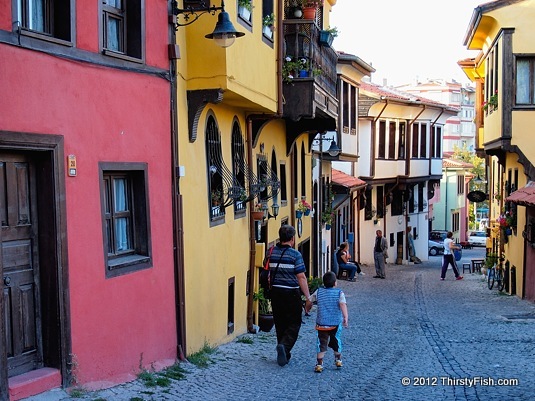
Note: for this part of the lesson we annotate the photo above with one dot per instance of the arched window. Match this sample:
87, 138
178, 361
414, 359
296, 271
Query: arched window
215, 169
238, 166
274, 175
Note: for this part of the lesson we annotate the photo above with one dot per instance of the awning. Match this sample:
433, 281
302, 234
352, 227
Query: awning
346, 180
524, 196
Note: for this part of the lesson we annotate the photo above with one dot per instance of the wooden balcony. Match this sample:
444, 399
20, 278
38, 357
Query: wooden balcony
313, 96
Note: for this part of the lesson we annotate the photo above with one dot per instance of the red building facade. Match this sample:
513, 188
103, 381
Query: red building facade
87, 262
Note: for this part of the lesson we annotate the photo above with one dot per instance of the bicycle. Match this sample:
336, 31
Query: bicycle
496, 274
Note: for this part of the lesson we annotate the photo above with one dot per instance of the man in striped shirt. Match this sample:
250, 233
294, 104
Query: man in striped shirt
288, 282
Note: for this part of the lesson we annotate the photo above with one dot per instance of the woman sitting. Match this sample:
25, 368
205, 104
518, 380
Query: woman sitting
343, 259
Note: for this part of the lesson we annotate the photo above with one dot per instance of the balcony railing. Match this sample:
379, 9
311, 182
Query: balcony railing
301, 42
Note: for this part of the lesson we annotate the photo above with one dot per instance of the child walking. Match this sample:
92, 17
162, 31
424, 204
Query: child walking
331, 316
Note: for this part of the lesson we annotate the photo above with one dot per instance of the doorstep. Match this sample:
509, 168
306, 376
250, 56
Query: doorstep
34, 382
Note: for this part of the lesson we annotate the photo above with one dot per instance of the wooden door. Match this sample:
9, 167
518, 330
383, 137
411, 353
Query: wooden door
19, 264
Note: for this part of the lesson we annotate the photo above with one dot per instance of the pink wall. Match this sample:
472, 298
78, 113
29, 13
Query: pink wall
104, 115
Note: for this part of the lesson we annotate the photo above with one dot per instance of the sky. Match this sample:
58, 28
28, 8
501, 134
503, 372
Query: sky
405, 40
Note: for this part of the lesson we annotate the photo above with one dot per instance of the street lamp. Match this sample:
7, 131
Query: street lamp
224, 33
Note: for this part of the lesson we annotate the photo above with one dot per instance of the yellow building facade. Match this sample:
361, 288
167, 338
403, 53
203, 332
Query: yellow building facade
502, 31
233, 156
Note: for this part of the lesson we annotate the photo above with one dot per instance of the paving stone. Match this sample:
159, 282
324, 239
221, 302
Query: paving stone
444, 337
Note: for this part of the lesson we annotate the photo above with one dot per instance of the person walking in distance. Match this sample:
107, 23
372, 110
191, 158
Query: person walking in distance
288, 283
379, 249
331, 316
449, 258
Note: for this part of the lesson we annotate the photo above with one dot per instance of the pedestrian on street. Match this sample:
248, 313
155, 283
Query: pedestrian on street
288, 284
449, 258
379, 254
343, 259
331, 316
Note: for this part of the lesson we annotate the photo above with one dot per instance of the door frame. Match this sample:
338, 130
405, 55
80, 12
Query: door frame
49, 154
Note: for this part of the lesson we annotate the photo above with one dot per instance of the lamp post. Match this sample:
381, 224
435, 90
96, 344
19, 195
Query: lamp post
224, 33
333, 151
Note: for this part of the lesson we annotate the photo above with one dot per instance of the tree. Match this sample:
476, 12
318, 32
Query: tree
468, 156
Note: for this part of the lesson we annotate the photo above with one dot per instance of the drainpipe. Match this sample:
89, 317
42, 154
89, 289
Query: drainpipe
280, 56
252, 239
178, 228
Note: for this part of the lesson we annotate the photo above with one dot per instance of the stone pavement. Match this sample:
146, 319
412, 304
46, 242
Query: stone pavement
410, 337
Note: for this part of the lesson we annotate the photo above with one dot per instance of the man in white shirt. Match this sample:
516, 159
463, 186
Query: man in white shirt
449, 258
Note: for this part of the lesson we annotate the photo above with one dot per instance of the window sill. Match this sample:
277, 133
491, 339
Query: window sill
121, 56
45, 37
127, 264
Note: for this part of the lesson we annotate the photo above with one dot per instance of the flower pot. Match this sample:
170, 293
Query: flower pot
265, 322
327, 226
303, 74
309, 12
257, 215
298, 214
268, 32
307, 212
508, 231
244, 13
326, 38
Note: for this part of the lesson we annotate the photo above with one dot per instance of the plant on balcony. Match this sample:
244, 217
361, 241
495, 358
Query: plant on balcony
492, 103
333, 31
291, 68
298, 68
311, 3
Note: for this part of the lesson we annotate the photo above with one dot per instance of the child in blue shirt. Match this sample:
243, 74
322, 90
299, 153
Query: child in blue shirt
331, 316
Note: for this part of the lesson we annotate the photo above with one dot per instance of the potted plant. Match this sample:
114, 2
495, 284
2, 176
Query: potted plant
244, 9
327, 36
310, 7
492, 103
303, 208
291, 68
265, 313
258, 212
268, 23
216, 196
327, 217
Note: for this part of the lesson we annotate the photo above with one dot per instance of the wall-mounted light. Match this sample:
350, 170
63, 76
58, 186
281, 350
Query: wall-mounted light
334, 150
275, 210
224, 33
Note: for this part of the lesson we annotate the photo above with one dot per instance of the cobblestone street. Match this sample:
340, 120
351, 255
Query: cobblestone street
410, 337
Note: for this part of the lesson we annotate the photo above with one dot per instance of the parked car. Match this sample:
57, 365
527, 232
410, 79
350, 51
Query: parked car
435, 248
438, 235
477, 238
